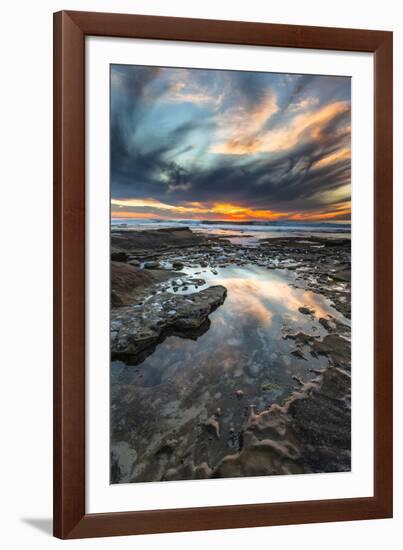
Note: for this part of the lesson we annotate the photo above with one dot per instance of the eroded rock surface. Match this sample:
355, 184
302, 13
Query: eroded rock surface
129, 281
149, 242
233, 414
309, 433
136, 328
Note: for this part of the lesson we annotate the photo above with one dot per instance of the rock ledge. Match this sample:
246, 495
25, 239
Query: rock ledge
136, 329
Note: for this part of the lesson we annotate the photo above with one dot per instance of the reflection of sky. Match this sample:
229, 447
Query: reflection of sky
245, 340
262, 298
184, 381
258, 295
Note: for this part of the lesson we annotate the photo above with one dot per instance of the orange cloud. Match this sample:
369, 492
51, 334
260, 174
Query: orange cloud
238, 127
341, 210
124, 215
226, 211
302, 126
153, 203
187, 90
342, 154
235, 212
220, 211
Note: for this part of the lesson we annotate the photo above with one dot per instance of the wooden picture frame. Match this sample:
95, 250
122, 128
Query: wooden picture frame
70, 517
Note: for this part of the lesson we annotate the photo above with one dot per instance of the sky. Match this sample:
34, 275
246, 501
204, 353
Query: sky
229, 145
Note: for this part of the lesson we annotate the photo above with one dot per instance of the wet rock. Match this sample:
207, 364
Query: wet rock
235, 439
298, 353
167, 448
176, 264
342, 275
268, 386
116, 300
118, 256
212, 426
151, 265
158, 240
128, 282
335, 347
327, 324
202, 471
196, 282
160, 315
306, 310
298, 380
300, 338
171, 474
309, 433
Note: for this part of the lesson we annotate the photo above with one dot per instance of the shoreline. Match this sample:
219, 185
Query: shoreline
159, 290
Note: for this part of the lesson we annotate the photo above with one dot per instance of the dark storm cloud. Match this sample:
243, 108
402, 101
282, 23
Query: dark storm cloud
285, 183
164, 138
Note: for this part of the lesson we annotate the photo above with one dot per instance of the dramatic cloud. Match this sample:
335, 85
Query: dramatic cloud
209, 144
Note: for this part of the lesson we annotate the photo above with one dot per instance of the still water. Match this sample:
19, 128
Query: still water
245, 348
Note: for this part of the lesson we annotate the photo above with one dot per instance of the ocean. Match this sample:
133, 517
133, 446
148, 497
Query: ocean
251, 230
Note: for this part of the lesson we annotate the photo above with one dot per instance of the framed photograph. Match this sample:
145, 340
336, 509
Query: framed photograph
222, 272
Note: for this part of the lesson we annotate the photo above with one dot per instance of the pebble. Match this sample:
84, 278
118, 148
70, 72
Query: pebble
151, 265
306, 310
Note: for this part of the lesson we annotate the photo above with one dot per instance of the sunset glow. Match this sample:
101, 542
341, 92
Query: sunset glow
217, 211
192, 144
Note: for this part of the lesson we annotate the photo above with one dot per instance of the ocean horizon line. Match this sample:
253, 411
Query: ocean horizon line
231, 222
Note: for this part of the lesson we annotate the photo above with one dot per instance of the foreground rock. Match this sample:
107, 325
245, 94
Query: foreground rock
229, 414
322, 265
335, 347
135, 329
128, 282
309, 433
150, 242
